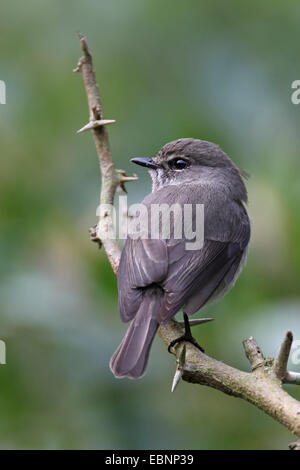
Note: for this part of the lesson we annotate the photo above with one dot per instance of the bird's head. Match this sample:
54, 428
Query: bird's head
187, 160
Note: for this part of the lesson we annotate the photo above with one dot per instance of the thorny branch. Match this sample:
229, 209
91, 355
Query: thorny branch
263, 385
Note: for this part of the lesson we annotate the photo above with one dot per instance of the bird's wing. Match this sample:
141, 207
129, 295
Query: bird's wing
197, 275
143, 262
183, 273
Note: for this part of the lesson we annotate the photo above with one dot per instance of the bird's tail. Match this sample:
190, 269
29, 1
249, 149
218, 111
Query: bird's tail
131, 357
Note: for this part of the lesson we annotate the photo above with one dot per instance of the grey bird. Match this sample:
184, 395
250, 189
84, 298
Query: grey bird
159, 277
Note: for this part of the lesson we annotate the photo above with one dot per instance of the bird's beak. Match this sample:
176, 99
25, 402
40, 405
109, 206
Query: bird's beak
147, 162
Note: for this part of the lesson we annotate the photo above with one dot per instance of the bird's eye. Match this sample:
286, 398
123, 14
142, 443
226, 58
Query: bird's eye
178, 164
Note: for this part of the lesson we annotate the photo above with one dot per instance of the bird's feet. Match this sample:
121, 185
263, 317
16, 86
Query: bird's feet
187, 336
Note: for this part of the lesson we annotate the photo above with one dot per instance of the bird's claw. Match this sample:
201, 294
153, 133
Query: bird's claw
188, 339
187, 336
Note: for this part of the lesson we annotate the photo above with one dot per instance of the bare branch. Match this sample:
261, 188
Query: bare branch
281, 361
253, 353
111, 178
260, 387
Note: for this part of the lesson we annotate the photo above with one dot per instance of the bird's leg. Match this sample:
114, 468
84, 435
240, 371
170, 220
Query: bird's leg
187, 336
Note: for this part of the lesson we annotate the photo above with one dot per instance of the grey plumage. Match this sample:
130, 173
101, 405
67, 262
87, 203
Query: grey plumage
131, 357
157, 278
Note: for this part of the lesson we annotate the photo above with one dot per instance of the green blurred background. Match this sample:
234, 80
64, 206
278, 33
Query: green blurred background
220, 71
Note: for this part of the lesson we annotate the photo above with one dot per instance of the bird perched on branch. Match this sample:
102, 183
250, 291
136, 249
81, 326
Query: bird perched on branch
159, 277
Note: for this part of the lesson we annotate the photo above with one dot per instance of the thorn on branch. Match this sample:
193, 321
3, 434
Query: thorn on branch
253, 353
176, 380
180, 367
95, 124
196, 321
123, 178
126, 179
79, 65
